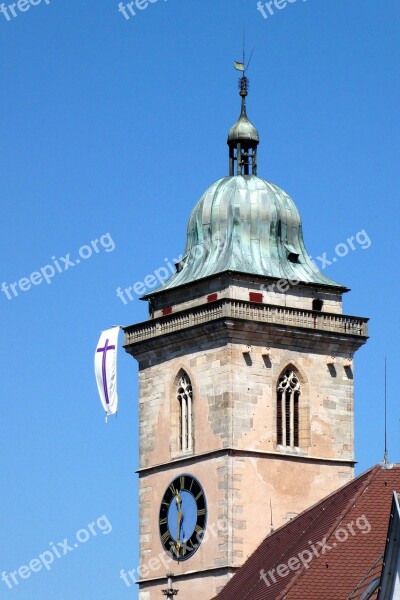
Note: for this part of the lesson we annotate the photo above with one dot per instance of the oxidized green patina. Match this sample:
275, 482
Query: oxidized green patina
247, 225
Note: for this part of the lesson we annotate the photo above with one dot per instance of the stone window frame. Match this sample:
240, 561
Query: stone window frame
182, 416
303, 413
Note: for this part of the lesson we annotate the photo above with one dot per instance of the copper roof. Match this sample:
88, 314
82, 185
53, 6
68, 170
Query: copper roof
246, 224
352, 523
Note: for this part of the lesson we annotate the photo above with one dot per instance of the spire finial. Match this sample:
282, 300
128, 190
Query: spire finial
243, 137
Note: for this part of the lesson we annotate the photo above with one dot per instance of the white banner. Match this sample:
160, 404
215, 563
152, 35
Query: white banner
105, 368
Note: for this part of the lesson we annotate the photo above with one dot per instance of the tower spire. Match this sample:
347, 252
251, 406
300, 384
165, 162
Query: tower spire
243, 137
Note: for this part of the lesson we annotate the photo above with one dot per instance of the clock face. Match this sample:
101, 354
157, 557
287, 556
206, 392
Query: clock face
183, 517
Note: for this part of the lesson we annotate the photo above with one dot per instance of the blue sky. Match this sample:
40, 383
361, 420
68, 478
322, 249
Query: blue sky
117, 126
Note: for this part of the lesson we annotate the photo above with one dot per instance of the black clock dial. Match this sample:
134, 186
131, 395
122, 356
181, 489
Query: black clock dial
183, 517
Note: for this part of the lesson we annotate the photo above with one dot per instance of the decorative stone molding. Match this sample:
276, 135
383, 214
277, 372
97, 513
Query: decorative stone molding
265, 313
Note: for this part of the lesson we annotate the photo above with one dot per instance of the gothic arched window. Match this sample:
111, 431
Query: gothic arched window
185, 396
288, 398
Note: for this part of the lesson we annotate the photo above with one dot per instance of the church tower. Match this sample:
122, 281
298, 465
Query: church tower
246, 383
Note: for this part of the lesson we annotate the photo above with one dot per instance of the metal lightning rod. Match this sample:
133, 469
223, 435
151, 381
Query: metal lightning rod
385, 456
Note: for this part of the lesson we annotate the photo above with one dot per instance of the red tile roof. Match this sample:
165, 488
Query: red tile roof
333, 550
363, 586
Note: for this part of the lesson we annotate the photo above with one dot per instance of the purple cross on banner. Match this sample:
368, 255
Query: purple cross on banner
105, 350
105, 369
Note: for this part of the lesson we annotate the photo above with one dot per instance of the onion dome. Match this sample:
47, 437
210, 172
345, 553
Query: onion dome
250, 226
245, 224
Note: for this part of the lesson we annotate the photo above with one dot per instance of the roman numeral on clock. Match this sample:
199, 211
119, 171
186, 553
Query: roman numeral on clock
183, 507
165, 537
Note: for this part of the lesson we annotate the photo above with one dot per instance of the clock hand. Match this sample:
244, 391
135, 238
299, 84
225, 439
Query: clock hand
178, 501
180, 516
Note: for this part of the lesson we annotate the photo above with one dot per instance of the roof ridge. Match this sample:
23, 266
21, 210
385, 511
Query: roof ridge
350, 503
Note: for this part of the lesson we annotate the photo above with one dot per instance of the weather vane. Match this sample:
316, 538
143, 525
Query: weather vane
241, 66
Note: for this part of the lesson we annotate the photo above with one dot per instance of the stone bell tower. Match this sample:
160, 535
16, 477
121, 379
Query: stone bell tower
246, 383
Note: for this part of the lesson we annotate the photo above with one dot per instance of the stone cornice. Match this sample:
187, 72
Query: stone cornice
240, 453
200, 572
235, 317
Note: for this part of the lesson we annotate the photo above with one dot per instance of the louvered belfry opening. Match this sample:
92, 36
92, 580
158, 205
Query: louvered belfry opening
288, 399
185, 397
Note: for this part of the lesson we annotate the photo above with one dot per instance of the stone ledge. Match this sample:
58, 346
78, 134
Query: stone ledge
240, 452
249, 311
224, 569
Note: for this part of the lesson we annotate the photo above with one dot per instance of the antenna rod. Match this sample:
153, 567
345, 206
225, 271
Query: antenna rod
251, 56
385, 456
244, 45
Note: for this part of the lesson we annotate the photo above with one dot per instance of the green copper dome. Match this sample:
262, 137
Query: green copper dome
247, 225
